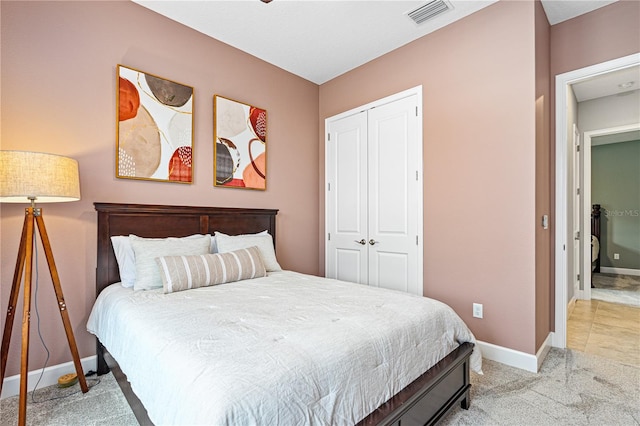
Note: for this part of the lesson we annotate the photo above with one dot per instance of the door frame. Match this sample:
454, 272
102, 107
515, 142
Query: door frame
585, 292
577, 195
563, 83
417, 91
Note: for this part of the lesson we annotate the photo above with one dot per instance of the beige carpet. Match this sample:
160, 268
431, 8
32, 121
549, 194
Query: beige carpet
572, 388
104, 404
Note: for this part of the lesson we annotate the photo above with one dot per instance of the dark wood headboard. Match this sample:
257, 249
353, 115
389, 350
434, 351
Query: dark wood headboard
596, 231
159, 221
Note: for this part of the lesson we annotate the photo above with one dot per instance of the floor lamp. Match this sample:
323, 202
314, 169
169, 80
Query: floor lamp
27, 177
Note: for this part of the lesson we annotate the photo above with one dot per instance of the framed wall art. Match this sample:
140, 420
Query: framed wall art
240, 136
154, 128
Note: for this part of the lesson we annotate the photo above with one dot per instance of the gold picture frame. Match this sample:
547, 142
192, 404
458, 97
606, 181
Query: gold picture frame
154, 128
240, 144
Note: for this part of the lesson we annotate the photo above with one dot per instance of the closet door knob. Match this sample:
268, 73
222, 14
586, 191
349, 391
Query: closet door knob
372, 241
361, 242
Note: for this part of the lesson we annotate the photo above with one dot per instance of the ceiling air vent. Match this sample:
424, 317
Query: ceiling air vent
429, 11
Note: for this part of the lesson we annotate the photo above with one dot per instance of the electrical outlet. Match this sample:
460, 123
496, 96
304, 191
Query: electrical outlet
477, 310
616, 256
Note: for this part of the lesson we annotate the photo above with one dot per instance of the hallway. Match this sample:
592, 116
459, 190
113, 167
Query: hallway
609, 330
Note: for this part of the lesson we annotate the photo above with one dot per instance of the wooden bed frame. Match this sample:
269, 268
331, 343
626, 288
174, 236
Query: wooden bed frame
596, 231
423, 402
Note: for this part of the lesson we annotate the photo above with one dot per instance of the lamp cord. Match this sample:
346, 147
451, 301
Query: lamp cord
44, 345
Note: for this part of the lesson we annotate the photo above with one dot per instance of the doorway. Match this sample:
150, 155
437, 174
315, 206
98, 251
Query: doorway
610, 135
564, 256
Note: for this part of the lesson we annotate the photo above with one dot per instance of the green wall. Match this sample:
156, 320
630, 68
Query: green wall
615, 185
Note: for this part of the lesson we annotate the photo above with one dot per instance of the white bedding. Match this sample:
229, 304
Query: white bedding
284, 349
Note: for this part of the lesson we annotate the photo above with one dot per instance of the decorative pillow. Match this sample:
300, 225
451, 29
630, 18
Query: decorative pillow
263, 241
147, 249
186, 272
127, 260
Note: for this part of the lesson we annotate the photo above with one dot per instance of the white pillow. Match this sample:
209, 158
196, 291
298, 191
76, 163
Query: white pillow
126, 258
147, 249
214, 244
262, 240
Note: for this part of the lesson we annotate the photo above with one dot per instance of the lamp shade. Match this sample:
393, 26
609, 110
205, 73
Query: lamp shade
48, 178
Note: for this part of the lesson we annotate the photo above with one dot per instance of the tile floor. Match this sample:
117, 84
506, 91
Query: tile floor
609, 330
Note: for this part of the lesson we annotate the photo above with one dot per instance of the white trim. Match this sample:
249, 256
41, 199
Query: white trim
544, 350
417, 91
576, 208
585, 242
515, 358
11, 386
620, 271
562, 81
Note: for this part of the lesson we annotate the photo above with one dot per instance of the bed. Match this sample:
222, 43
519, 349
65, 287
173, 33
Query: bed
595, 239
394, 379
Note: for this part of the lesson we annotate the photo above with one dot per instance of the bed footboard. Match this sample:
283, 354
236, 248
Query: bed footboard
425, 401
431, 396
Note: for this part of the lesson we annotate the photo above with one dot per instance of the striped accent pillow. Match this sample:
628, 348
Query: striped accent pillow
185, 272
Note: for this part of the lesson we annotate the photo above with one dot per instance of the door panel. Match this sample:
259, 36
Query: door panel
392, 269
349, 149
393, 219
345, 261
347, 199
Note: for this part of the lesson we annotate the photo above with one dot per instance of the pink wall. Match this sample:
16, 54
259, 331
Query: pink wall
478, 78
607, 33
58, 95
544, 240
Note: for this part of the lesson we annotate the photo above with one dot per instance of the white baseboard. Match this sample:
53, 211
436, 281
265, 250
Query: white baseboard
515, 358
544, 350
11, 386
619, 271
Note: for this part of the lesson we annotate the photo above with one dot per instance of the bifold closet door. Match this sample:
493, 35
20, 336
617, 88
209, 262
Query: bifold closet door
373, 163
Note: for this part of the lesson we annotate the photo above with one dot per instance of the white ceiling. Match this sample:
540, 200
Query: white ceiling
611, 83
316, 40
561, 10
320, 40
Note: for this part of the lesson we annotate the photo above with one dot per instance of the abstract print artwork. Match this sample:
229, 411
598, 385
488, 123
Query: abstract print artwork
155, 128
240, 135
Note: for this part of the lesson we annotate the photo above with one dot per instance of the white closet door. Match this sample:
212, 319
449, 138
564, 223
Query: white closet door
374, 196
346, 157
393, 188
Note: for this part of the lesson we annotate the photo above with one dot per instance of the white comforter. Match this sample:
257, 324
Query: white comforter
285, 349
